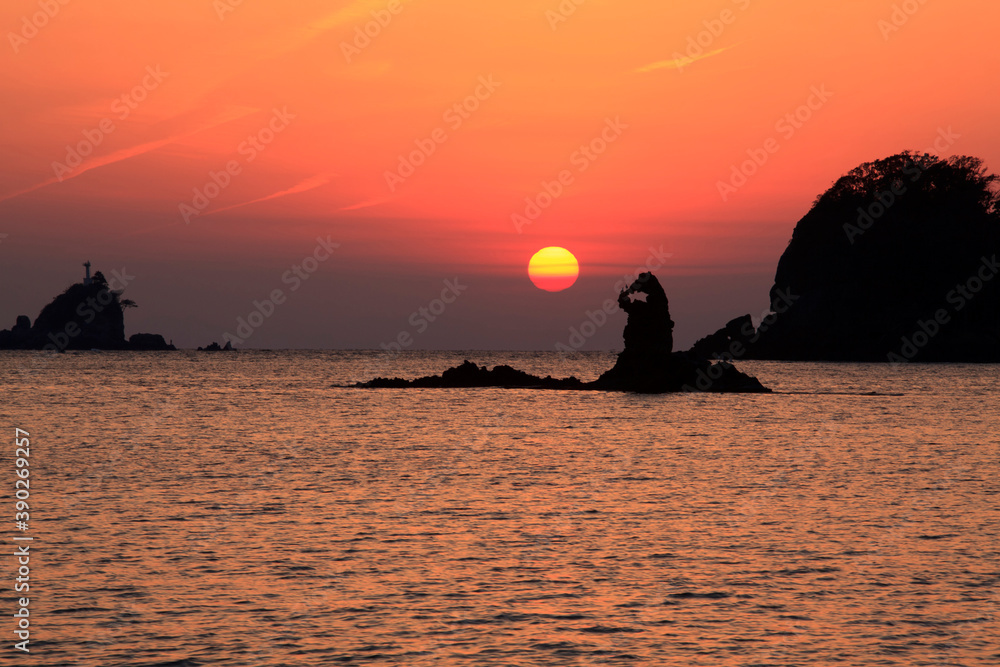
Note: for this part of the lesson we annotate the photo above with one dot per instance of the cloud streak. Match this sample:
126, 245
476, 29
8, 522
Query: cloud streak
364, 204
681, 62
310, 183
131, 152
357, 11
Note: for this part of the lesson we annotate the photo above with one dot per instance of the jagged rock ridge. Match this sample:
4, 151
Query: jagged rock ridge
647, 364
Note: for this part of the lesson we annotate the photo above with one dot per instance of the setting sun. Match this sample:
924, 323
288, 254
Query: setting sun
281, 245
553, 269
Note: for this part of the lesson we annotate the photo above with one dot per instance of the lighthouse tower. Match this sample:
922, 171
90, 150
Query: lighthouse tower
86, 278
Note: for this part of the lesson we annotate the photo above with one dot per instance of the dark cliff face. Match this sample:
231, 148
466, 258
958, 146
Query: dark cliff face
881, 252
83, 317
895, 262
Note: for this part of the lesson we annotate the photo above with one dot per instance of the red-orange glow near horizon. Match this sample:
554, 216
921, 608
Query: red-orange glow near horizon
553, 269
707, 126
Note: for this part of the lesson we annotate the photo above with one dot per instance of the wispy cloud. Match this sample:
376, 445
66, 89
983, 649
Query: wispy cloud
364, 204
682, 62
132, 151
355, 11
310, 183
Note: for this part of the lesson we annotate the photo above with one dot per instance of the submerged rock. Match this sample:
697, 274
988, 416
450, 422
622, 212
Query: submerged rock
646, 365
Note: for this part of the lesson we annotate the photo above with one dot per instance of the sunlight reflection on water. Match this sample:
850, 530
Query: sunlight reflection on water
239, 509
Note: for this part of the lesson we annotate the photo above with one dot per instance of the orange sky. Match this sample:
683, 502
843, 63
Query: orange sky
310, 119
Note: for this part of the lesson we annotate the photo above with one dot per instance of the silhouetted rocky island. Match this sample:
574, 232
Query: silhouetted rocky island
468, 375
646, 365
215, 347
87, 316
896, 262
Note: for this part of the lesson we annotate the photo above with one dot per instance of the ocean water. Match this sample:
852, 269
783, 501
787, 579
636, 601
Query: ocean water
242, 509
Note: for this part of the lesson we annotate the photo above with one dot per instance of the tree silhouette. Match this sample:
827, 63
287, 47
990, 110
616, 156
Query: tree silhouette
879, 252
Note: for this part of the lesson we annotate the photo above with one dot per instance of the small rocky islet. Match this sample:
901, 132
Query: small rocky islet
89, 315
647, 365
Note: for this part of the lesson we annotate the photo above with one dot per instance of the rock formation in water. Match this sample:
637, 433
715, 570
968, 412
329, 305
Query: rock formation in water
469, 374
87, 316
18, 337
897, 261
731, 341
646, 365
215, 347
649, 338
149, 343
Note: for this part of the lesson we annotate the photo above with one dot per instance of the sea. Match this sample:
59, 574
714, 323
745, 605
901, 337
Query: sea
251, 508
